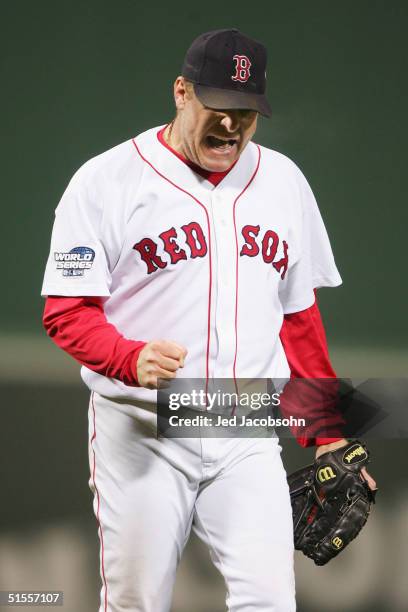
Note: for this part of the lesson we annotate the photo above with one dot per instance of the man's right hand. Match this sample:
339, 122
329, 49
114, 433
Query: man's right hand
159, 359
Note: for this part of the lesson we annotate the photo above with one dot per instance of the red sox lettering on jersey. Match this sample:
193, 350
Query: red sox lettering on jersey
194, 238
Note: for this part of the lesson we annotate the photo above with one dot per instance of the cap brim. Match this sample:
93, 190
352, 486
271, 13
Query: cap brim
222, 99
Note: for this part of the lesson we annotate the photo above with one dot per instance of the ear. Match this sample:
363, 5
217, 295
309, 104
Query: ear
180, 93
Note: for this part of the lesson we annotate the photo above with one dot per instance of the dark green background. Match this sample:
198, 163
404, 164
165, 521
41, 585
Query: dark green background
79, 77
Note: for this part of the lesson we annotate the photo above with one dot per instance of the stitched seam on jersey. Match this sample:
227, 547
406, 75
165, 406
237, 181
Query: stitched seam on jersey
98, 507
326, 279
209, 251
128, 214
62, 287
236, 264
99, 233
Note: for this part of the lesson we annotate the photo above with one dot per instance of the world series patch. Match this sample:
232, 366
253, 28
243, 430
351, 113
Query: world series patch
76, 261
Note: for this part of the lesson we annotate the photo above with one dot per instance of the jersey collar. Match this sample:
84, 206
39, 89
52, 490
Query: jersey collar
164, 161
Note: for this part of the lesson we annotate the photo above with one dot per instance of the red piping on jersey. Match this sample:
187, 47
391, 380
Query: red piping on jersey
98, 507
237, 259
209, 252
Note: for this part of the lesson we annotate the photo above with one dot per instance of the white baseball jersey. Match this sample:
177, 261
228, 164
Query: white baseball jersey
212, 268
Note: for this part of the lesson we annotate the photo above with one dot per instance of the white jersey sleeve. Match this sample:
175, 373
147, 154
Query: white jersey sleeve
315, 267
77, 263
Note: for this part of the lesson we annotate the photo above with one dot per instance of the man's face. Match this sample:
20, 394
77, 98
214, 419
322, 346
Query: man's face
212, 139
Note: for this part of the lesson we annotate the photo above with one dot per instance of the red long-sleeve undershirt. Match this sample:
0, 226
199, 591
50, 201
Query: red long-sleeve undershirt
78, 325
309, 393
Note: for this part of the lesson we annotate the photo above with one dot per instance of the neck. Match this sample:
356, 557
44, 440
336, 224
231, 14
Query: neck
169, 136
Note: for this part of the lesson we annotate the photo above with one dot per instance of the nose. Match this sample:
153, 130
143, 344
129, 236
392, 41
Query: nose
230, 121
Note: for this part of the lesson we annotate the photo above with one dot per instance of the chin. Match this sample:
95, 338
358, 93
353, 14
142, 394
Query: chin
218, 165
215, 160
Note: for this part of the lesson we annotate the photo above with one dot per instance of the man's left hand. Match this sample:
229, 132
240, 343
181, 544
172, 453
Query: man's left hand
325, 448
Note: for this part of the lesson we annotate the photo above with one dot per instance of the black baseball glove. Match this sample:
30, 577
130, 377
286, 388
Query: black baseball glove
331, 502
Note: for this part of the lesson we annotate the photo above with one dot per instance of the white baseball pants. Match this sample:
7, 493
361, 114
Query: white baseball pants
149, 492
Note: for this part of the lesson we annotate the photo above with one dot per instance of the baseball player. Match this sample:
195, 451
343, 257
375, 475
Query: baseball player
190, 251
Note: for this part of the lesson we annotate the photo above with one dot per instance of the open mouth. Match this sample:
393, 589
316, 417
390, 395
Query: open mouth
221, 144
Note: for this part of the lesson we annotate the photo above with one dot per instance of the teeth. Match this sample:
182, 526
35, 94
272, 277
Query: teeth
221, 142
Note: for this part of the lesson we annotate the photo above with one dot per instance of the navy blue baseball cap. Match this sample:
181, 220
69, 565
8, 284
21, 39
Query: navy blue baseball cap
228, 71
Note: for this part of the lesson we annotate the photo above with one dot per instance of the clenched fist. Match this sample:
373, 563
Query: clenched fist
159, 359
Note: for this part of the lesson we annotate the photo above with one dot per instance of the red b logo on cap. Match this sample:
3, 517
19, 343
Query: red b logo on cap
242, 66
